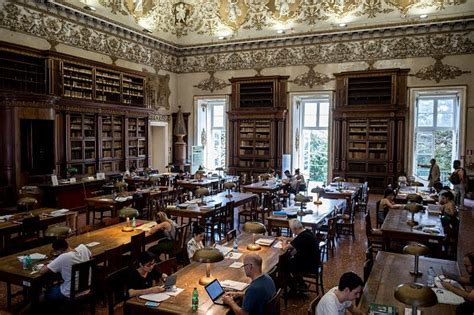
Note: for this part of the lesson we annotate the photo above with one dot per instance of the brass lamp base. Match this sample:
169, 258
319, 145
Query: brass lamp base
205, 280
416, 273
412, 223
127, 229
318, 202
253, 247
229, 196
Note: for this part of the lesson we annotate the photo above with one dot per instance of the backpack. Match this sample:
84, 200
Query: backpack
454, 178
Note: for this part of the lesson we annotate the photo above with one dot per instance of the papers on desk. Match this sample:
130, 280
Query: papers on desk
147, 226
233, 255
431, 230
34, 256
236, 265
408, 311
6, 217
123, 199
223, 249
447, 297
155, 297
174, 292
58, 213
265, 241
434, 209
92, 244
278, 244
234, 285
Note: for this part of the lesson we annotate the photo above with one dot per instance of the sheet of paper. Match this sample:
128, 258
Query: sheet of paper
174, 292
447, 297
147, 226
265, 241
34, 256
224, 249
233, 255
92, 244
235, 285
155, 297
408, 311
236, 265
278, 244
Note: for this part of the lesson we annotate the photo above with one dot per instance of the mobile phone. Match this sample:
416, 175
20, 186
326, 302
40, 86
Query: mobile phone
151, 304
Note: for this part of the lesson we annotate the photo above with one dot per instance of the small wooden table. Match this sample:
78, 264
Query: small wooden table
193, 184
263, 187
314, 220
9, 227
391, 270
188, 277
110, 237
395, 227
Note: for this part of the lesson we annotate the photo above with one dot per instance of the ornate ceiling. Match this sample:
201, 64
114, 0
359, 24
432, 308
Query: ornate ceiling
204, 22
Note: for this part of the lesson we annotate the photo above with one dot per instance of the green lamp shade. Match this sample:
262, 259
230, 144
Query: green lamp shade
229, 185
208, 255
414, 207
254, 227
128, 213
300, 198
27, 201
317, 190
202, 192
338, 179
415, 294
58, 231
416, 249
414, 198
417, 184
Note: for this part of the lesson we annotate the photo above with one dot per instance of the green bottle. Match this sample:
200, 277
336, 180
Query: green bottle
195, 300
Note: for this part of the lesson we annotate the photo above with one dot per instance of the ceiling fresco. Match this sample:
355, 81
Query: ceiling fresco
204, 22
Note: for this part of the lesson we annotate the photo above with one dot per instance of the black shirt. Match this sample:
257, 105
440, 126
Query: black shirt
136, 282
307, 251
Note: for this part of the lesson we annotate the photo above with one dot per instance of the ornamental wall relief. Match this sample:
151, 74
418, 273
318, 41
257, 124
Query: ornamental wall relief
212, 83
439, 71
311, 78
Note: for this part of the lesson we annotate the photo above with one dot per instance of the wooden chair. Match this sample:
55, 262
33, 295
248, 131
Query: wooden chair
368, 264
116, 288
314, 278
272, 307
168, 266
89, 228
374, 236
363, 201
82, 286
380, 214
100, 208
137, 246
313, 304
345, 225
248, 212
114, 260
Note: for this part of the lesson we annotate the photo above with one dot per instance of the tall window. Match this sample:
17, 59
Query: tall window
211, 131
310, 140
436, 133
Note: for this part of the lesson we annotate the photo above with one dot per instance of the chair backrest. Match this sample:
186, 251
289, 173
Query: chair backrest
332, 227
181, 237
368, 264
81, 277
114, 258
137, 246
116, 288
368, 225
273, 305
273, 273
369, 253
313, 304
31, 226
169, 266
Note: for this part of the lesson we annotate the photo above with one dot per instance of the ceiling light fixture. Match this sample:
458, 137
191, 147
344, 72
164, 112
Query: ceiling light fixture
221, 37
423, 16
342, 24
90, 8
147, 30
280, 31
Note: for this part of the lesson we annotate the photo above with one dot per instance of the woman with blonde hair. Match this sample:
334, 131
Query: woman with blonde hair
166, 231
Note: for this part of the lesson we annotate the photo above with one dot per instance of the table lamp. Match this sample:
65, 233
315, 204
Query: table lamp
301, 199
254, 228
27, 203
207, 255
416, 185
229, 186
265, 177
339, 181
201, 192
413, 208
219, 170
416, 295
128, 213
414, 198
417, 250
58, 231
318, 191
120, 185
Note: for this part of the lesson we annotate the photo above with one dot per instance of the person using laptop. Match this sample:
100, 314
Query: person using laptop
142, 279
258, 293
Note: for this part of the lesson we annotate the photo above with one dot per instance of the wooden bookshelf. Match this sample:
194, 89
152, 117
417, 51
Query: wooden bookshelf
112, 150
369, 124
81, 143
257, 124
132, 90
137, 142
77, 81
22, 73
107, 86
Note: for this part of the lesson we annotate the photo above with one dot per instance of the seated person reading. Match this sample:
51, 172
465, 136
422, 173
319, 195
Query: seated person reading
258, 293
195, 242
63, 264
387, 203
468, 295
340, 299
166, 231
142, 279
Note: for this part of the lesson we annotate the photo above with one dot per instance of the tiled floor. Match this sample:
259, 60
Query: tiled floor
349, 256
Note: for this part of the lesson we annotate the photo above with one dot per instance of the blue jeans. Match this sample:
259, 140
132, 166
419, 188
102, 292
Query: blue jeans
54, 294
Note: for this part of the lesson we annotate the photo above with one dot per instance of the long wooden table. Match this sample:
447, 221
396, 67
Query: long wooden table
110, 237
314, 220
391, 270
193, 184
188, 277
12, 226
402, 194
465, 240
204, 212
395, 227
263, 187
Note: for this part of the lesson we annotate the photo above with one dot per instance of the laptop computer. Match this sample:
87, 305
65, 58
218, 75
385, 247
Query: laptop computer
170, 282
215, 291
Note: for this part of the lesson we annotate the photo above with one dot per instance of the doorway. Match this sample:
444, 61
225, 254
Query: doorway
159, 146
37, 146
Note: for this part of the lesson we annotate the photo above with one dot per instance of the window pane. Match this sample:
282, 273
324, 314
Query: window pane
310, 114
445, 105
425, 106
443, 153
218, 119
323, 114
424, 143
445, 120
425, 120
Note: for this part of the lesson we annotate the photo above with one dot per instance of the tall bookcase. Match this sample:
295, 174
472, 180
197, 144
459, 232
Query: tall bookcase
22, 73
369, 125
257, 124
111, 151
136, 142
81, 142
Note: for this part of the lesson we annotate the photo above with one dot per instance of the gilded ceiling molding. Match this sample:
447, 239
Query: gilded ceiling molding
372, 8
439, 71
212, 84
311, 78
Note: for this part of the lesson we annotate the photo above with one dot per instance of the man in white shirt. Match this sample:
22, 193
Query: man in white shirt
63, 264
339, 299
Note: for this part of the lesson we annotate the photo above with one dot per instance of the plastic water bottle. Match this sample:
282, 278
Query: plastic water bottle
235, 247
195, 300
431, 276
26, 262
134, 222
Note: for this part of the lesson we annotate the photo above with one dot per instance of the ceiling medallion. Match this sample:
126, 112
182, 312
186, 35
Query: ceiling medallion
439, 71
371, 8
233, 13
212, 84
310, 12
340, 8
311, 78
